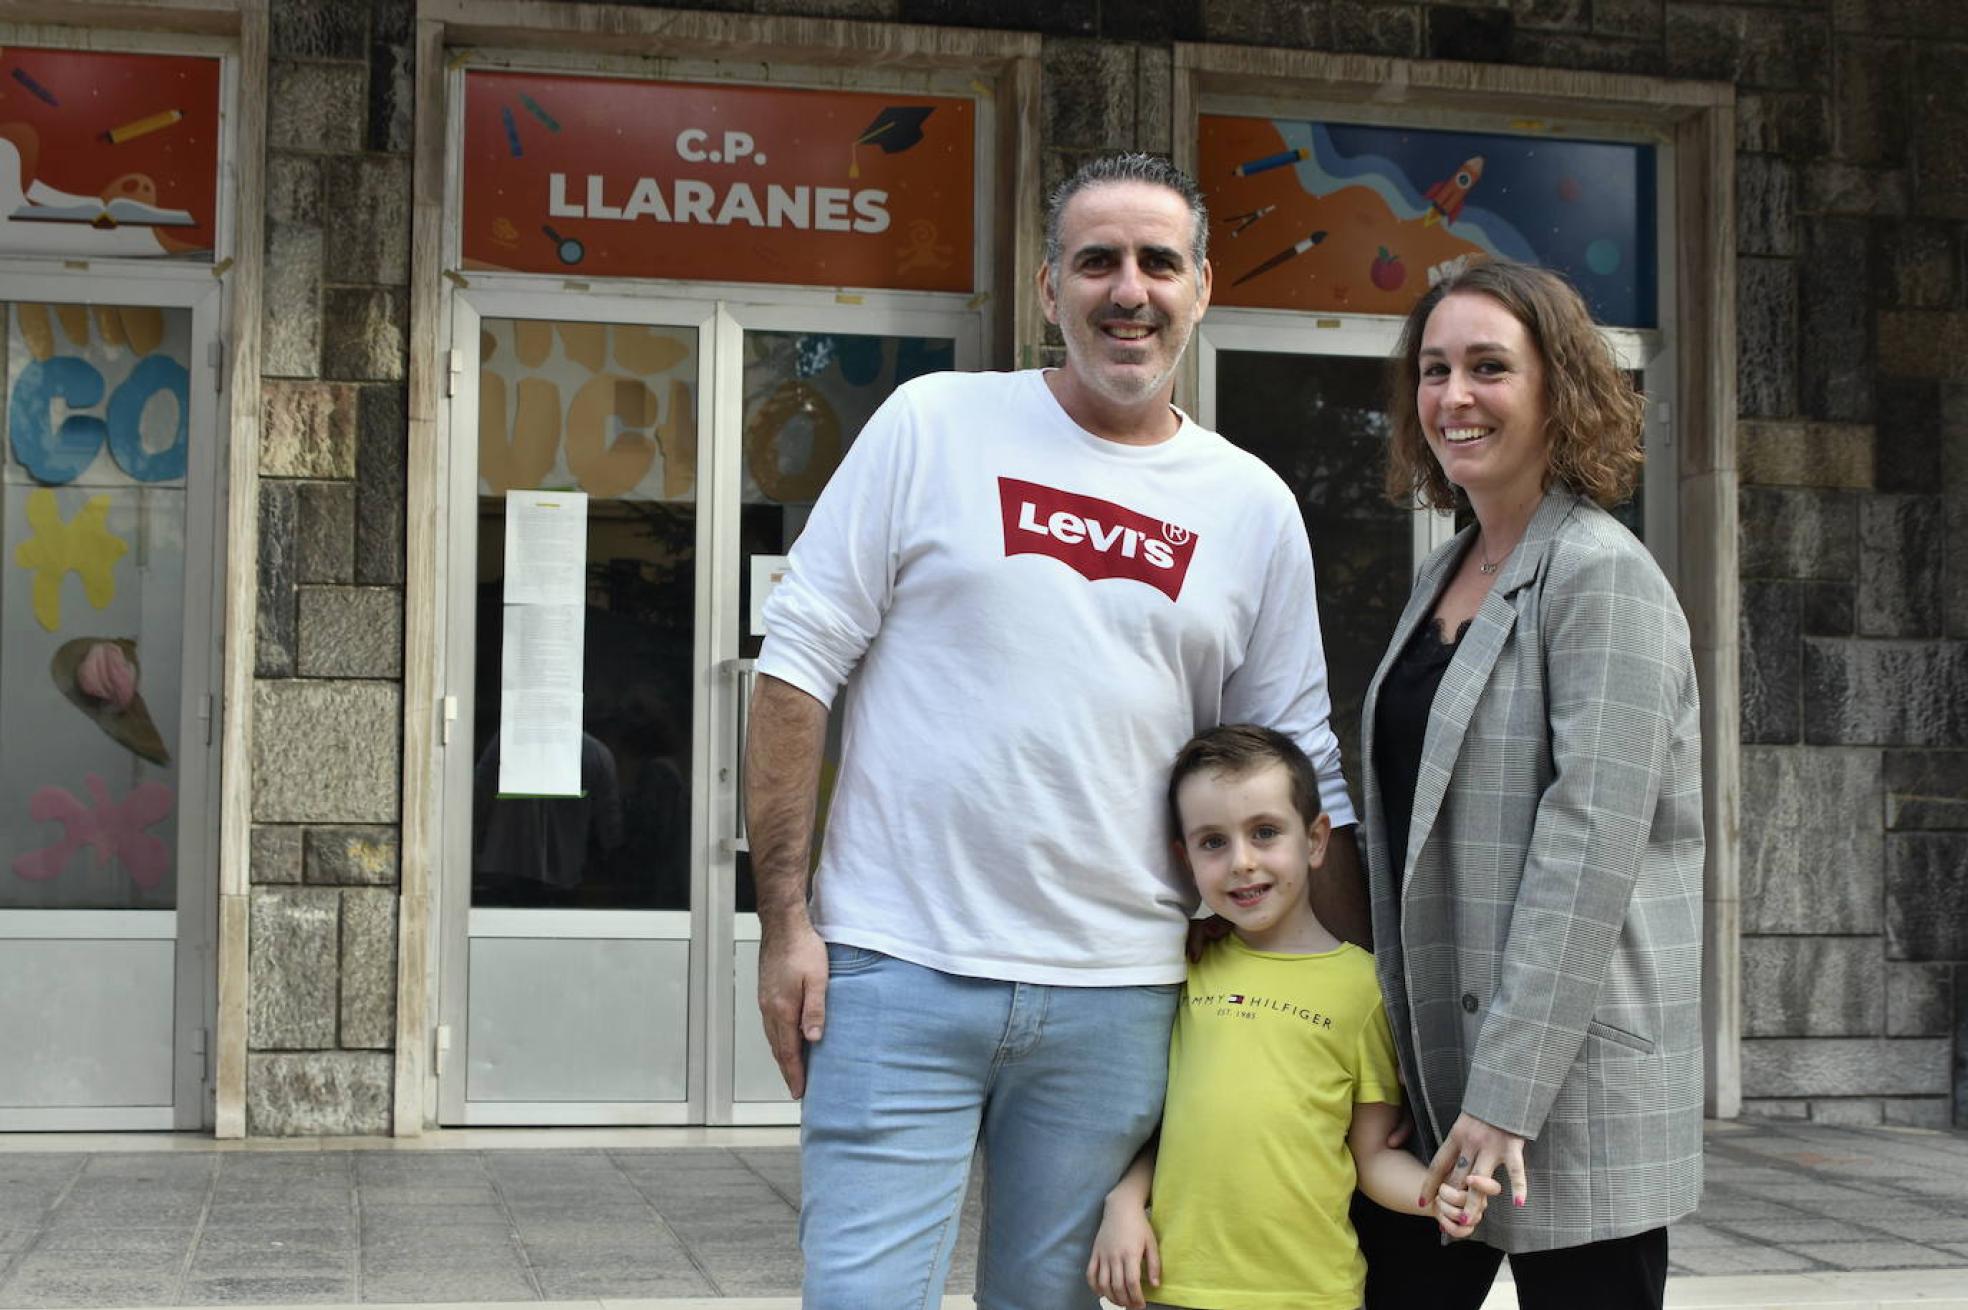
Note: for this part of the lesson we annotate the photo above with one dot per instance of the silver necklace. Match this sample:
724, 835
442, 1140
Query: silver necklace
1489, 567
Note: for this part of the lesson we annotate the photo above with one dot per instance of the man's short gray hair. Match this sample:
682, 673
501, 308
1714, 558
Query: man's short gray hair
1131, 167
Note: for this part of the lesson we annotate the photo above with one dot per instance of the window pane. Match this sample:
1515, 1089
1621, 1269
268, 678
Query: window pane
609, 409
92, 582
1318, 421
807, 395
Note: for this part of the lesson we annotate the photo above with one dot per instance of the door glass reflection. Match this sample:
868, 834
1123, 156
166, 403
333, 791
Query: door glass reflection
807, 395
611, 410
1320, 422
97, 413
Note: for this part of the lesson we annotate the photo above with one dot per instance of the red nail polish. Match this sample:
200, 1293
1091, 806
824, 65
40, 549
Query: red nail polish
1423, 1203
1463, 1218
1517, 1201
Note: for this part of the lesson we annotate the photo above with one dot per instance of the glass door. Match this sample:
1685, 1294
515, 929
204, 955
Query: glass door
1309, 397
572, 970
804, 383
108, 647
600, 947
1319, 420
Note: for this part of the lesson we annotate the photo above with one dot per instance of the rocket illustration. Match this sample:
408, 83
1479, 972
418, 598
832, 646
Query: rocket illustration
1446, 197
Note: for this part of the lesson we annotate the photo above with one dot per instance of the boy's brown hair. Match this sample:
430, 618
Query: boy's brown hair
1238, 749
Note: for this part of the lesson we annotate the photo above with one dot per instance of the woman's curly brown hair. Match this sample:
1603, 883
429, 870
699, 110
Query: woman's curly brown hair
1592, 416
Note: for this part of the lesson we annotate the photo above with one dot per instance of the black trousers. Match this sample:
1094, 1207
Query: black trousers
1408, 1268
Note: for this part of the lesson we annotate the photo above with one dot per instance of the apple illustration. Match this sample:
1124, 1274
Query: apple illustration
1388, 271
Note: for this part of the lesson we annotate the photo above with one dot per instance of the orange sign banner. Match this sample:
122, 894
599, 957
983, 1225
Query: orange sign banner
108, 155
607, 177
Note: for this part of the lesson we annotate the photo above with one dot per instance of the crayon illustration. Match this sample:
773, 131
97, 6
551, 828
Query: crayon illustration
533, 107
116, 136
1270, 162
40, 92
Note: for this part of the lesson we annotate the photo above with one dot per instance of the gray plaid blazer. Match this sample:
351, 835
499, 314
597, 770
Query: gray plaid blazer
1541, 952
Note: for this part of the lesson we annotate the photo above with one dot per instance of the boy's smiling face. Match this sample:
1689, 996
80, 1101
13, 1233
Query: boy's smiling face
1252, 853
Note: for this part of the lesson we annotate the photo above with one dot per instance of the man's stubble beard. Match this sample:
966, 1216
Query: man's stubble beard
1097, 376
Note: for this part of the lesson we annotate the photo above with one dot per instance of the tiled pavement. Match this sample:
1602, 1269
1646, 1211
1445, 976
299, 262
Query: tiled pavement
370, 1224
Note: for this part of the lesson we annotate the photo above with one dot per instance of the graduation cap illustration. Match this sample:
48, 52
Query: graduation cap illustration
99, 676
894, 129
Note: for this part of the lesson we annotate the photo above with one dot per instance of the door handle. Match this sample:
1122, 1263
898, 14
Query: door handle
744, 671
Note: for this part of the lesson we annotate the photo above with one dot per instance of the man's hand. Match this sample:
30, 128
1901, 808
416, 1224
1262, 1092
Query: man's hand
1201, 933
792, 996
782, 777
1474, 1149
1339, 890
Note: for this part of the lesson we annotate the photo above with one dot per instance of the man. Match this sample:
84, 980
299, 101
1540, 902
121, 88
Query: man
1045, 583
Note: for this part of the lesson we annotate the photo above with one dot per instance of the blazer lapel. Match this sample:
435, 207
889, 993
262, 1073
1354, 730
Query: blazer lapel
1469, 673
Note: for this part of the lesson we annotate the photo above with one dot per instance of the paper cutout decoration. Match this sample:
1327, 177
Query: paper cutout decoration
99, 675
58, 455
83, 545
112, 829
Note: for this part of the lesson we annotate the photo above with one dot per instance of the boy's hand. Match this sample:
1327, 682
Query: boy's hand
1459, 1209
1125, 1243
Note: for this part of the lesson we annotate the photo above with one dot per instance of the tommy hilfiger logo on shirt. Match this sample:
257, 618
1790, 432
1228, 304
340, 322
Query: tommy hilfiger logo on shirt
1095, 538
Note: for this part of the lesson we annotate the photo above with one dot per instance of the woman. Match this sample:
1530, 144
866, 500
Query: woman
1532, 768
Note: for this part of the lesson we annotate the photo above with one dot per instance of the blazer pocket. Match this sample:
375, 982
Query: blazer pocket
1634, 1042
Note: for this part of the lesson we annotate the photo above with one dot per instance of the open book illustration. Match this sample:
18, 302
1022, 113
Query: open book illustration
38, 219
59, 208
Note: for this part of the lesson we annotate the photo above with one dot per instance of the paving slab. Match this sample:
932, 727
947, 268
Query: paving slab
288, 1289
106, 1241
57, 1288
611, 1222
449, 1285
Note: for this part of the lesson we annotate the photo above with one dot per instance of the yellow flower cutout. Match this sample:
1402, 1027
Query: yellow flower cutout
83, 545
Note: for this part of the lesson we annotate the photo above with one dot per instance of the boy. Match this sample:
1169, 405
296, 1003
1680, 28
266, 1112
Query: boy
1280, 1062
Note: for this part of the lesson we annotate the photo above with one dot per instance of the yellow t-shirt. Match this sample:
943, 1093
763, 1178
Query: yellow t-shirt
1253, 1179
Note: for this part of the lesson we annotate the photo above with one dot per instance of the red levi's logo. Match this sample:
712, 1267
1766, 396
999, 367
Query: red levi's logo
1095, 538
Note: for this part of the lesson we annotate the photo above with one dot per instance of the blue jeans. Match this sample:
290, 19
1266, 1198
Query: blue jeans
1062, 1084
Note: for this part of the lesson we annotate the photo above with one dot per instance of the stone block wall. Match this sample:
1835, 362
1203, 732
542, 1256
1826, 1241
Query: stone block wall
1853, 454
1852, 195
1852, 198
327, 702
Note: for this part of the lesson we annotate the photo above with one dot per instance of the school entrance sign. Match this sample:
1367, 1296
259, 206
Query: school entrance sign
607, 177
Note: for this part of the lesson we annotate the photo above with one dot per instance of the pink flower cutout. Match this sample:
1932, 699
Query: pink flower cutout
111, 828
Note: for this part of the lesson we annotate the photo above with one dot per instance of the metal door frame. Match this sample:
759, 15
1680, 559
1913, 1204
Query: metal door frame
458, 922
712, 926
193, 923
886, 316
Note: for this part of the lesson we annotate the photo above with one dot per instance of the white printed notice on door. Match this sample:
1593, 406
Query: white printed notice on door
545, 615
